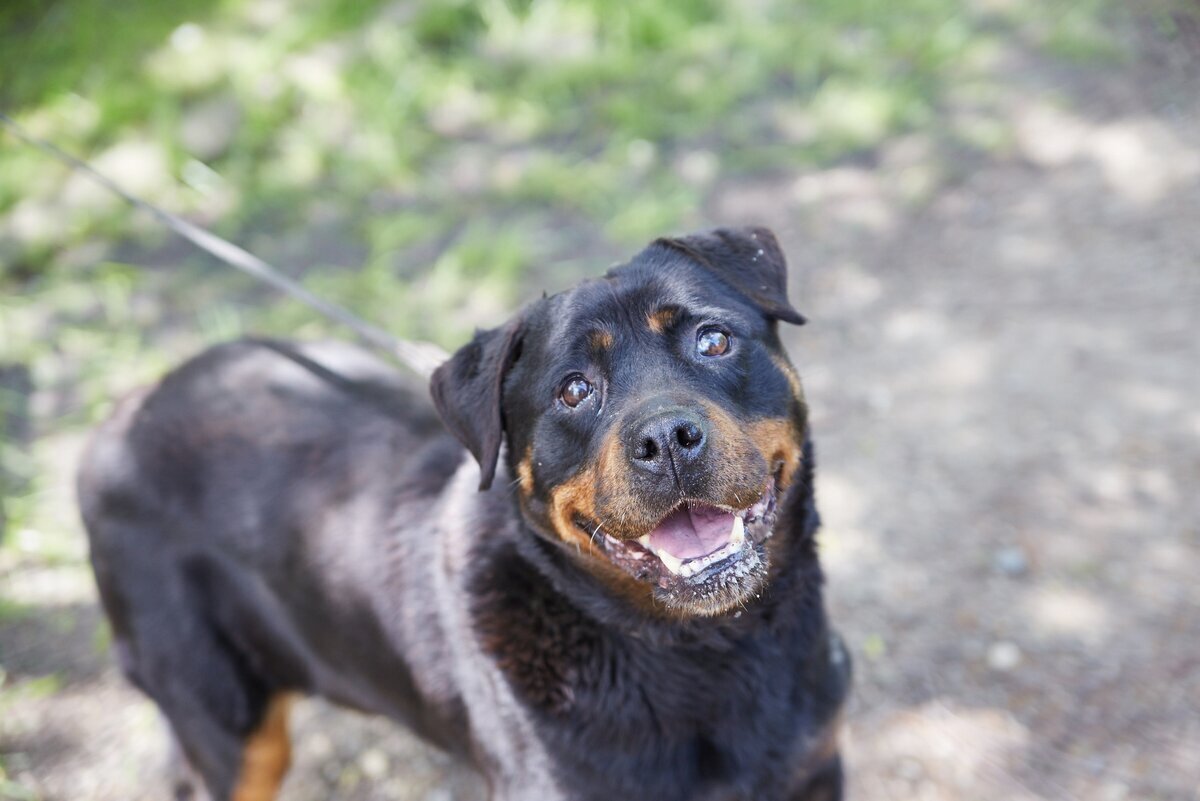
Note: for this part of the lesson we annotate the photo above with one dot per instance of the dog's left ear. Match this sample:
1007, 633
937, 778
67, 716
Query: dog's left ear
749, 260
466, 392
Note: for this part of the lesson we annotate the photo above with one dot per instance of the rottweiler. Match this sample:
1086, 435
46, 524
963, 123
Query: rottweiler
617, 597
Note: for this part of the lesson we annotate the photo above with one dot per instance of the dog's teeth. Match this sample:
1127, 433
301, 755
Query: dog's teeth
644, 541
673, 563
693, 566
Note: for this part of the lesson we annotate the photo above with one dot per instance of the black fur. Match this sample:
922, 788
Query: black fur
749, 260
275, 517
466, 391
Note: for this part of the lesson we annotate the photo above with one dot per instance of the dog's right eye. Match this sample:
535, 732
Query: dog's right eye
575, 390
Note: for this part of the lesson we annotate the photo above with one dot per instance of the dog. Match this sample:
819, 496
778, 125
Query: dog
588, 568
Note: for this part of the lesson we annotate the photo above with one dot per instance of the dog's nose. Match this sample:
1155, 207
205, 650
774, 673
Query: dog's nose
672, 437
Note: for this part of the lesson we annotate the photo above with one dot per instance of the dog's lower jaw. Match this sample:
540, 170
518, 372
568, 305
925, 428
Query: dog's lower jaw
727, 579
713, 593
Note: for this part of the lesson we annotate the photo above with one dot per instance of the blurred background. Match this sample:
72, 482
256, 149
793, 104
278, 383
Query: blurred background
992, 212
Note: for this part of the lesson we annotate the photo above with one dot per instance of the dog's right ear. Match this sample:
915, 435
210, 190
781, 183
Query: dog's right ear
466, 392
748, 259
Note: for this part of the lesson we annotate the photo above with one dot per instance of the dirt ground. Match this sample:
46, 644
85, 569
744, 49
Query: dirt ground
1003, 365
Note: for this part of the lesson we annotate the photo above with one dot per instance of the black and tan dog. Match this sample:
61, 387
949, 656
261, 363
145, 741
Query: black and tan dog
626, 606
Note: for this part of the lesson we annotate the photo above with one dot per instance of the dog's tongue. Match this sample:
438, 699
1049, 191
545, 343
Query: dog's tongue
692, 531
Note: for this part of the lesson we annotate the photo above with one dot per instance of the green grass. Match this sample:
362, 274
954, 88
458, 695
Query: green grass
426, 163
13, 612
11, 791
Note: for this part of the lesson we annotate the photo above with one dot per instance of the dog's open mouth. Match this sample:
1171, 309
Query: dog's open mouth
695, 536
697, 542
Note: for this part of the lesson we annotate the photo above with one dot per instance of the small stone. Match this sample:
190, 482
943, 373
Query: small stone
1011, 561
1003, 656
320, 746
374, 764
1114, 791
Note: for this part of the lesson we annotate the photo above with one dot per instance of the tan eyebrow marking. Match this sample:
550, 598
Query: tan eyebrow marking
600, 339
659, 319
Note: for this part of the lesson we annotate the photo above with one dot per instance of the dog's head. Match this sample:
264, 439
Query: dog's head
652, 418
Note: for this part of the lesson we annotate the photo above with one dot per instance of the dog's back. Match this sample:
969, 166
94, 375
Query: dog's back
239, 514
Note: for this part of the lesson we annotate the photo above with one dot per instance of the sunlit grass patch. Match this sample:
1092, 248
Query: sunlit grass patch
14, 611
27, 689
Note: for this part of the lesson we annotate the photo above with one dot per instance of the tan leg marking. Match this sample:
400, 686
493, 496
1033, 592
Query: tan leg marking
267, 754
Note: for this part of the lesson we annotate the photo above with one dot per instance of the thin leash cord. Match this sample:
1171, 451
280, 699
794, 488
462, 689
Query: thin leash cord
421, 357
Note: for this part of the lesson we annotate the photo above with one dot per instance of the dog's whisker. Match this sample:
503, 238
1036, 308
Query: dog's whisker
599, 526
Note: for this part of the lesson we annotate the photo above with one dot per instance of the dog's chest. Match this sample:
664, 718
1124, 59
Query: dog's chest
619, 713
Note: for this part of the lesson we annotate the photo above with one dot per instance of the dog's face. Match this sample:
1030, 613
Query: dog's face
652, 418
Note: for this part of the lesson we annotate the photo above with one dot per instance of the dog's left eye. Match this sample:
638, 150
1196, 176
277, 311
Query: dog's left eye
712, 341
575, 390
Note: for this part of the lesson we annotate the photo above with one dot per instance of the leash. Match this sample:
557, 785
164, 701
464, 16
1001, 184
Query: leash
421, 357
